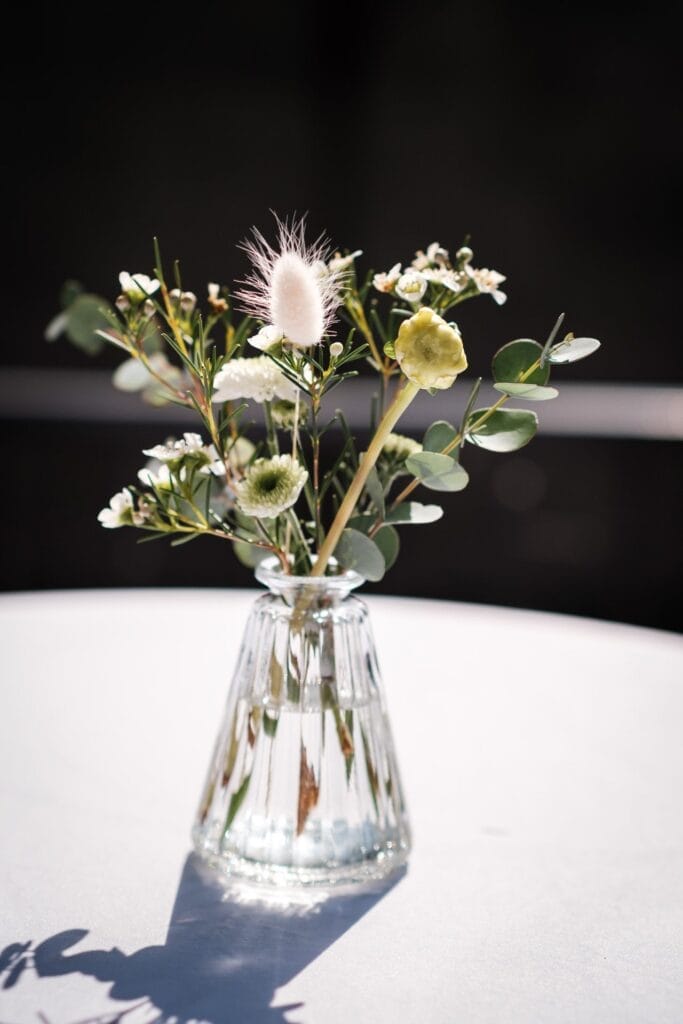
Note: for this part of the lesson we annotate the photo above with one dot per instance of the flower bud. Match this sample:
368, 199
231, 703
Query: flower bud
336, 349
430, 351
464, 254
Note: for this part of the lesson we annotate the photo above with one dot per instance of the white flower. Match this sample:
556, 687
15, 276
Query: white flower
266, 337
137, 287
488, 281
186, 300
120, 511
258, 378
270, 486
386, 282
435, 254
189, 444
341, 263
218, 304
285, 287
155, 474
411, 286
464, 254
455, 280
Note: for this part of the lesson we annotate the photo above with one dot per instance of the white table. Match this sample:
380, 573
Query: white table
542, 758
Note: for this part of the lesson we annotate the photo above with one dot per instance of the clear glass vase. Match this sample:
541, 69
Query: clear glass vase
303, 787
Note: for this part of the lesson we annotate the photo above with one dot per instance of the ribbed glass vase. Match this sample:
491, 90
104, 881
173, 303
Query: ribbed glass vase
303, 787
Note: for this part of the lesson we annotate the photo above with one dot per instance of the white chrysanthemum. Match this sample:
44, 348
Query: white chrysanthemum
259, 379
119, 513
267, 336
387, 282
270, 486
399, 447
488, 281
411, 286
137, 287
286, 288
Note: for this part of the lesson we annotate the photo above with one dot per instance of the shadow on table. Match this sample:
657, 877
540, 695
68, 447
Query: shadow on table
225, 953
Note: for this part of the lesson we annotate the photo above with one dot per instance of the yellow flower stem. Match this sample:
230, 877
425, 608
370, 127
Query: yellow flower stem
408, 490
391, 417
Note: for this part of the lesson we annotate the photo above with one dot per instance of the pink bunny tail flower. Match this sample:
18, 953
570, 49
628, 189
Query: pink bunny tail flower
291, 287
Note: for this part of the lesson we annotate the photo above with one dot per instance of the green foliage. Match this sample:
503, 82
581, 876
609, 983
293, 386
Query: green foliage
504, 430
357, 551
412, 513
437, 472
532, 392
572, 349
514, 359
85, 315
387, 540
439, 436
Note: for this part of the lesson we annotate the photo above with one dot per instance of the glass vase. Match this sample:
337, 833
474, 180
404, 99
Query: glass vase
303, 787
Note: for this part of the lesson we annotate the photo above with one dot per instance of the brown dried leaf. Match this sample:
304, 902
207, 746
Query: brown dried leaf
309, 791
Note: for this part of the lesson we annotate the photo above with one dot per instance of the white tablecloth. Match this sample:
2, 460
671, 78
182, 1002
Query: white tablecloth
542, 759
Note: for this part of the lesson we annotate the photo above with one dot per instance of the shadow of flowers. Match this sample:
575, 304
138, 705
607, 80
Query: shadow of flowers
225, 954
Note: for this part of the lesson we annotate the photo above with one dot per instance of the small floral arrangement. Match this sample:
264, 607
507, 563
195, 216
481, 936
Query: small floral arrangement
308, 321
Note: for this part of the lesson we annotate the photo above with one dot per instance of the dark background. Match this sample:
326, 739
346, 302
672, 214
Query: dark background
546, 133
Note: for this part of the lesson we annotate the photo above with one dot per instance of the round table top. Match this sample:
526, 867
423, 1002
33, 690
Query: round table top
543, 766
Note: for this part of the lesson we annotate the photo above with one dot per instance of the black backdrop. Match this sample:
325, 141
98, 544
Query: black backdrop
548, 134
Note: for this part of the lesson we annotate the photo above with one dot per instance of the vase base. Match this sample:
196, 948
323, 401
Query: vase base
281, 876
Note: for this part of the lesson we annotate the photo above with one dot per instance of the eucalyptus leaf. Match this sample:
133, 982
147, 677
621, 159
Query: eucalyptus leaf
376, 491
413, 513
387, 540
360, 553
249, 554
505, 430
572, 349
426, 464
84, 318
515, 358
437, 472
69, 292
131, 375
534, 392
363, 522
439, 436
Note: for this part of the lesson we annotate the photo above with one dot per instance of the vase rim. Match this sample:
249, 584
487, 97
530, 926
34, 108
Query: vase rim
269, 572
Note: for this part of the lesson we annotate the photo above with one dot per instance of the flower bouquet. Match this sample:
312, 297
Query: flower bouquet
303, 785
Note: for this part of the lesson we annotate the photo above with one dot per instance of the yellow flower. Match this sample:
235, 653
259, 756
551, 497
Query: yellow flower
430, 351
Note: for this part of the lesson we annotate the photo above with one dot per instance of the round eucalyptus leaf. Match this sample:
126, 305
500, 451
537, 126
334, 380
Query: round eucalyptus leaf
505, 430
387, 540
456, 479
427, 464
360, 553
69, 292
131, 375
412, 513
533, 392
83, 318
249, 554
515, 358
573, 349
439, 436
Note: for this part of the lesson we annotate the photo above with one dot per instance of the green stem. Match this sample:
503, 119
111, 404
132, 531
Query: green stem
399, 405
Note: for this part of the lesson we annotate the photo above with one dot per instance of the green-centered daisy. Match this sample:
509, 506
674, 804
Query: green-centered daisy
270, 486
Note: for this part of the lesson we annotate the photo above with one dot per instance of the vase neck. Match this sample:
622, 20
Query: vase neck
313, 590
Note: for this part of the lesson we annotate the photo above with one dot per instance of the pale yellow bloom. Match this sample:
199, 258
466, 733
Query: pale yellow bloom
429, 350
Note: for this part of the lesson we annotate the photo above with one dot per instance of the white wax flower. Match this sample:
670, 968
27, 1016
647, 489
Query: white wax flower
488, 281
258, 378
286, 288
136, 287
267, 336
411, 286
186, 300
435, 254
189, 444
342, 263
270, 486
454, 280
336, 349
387, 282
120, 511
155, 474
